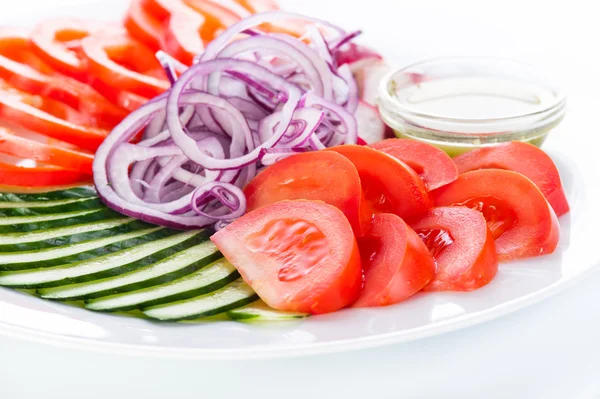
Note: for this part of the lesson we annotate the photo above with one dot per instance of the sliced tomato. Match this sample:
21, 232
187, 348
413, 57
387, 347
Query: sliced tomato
434, 166
397, 264
517, 214
26, 172
527, 159
51, 117
58, 43
319, 175
125, 64
30, 145
461, 244
183, 37
143, 25
22, 68
389, 185
297, 255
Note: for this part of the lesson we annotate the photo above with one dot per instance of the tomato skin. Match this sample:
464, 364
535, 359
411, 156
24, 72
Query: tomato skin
397, 263
470, 260
263, 252
389, 185
112, 57
535, 230
183, 37
527, 159
320, 175
12, 173
52, 118
45, 149
434, 166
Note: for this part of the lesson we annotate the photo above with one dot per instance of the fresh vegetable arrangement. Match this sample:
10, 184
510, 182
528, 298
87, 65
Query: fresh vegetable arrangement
242, 171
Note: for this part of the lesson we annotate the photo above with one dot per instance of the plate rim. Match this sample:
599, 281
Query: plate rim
305, 350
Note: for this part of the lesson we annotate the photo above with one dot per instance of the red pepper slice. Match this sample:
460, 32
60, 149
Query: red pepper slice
120, 61
51, 117
26, 172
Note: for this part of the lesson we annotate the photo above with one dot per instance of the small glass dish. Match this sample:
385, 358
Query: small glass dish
459, 104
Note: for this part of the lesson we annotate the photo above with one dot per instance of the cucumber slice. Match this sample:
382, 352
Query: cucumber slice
33, 236
79, 234
166, 270
208, 279
67, 253
113, 263
260, 311
76, 192
45, 204
229, 297
9, 209
46, 222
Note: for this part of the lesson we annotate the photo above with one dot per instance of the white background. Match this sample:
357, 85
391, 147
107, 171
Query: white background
550, 350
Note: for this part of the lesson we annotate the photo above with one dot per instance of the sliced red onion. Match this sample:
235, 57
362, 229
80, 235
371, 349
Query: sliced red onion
247, 103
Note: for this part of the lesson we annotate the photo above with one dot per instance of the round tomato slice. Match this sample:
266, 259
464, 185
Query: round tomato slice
183, 37
30, 145
461, 244
51, 117
389, 185
26, 172
298, 256
125, 64
517, 214
434, 166
397, 264
143, 25
58, 43
319, 175
526, 159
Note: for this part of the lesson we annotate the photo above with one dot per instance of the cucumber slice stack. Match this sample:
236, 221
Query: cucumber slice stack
66, 245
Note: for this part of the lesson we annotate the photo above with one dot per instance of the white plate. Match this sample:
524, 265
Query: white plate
517, 285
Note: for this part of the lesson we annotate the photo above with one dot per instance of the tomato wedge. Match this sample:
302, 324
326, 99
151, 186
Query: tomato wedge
527, 159
125, 64
143, 25
25, 172
183, 37
30, 145
397, 264
434, 166
58, 43
22, 68
298, 256
461, 244
389, 185
319, 175
51, 117
517, 214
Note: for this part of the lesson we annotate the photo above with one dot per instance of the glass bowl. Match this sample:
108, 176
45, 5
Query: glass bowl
459, 104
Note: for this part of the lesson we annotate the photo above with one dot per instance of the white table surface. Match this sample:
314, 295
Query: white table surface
549, 350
